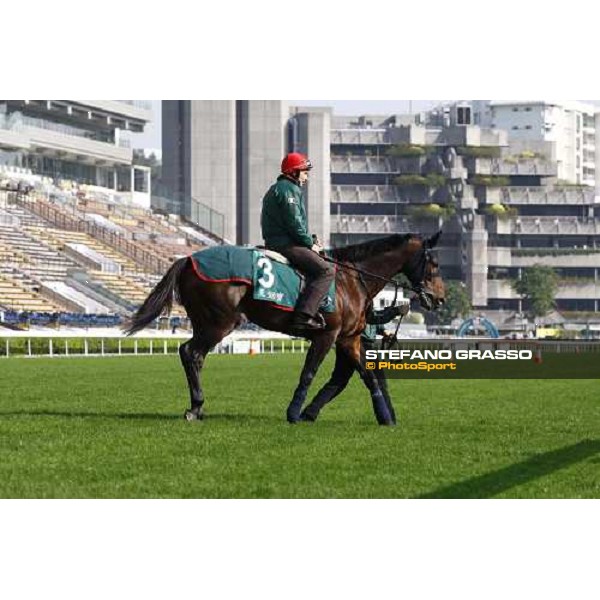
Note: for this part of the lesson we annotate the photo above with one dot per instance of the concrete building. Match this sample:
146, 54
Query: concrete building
220, 157
76, 140
499, 214
565, 131
501, 209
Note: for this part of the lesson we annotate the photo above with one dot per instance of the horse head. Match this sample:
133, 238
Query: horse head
423, 272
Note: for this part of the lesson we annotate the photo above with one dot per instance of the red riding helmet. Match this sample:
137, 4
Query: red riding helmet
295, 161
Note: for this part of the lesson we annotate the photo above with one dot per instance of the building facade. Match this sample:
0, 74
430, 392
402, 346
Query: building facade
564, 131
500, 213
76, 140
220, 157
502, 207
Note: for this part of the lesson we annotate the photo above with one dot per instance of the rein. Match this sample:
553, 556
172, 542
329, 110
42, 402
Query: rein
362, 272
417, 289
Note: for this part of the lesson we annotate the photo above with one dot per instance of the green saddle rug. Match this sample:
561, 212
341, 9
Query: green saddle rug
272, 281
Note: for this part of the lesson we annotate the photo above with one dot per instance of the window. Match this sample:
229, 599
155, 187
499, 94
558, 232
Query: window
515, 109
528, 109
463, 115
515, 127
140, 180
527, 126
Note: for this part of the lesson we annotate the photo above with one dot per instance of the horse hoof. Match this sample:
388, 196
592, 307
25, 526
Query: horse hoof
191, 416
307, 418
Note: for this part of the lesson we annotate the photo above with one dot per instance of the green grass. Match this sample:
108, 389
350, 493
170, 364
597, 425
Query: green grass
113, 427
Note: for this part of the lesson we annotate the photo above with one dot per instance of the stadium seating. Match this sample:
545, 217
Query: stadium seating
51, 230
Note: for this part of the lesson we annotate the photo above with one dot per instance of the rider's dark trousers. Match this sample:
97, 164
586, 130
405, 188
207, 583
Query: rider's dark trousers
319, 275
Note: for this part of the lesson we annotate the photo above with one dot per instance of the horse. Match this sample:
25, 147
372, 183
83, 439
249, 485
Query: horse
215, 309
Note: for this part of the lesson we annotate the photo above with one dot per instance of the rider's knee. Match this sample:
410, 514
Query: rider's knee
328, 271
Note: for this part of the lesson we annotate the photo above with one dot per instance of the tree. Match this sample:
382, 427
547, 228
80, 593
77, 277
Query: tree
457, 303
538, 285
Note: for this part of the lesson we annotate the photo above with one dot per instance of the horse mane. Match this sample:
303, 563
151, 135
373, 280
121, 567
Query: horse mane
358, 252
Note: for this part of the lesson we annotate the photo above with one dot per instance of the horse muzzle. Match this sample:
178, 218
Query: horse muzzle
429, 301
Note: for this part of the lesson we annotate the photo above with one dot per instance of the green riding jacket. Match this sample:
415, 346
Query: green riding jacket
283, 217
375, 321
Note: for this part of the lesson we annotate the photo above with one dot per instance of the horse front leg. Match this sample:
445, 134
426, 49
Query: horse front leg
316, 353
337, 383
382, 406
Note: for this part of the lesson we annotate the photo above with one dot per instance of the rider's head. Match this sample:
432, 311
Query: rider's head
296, 166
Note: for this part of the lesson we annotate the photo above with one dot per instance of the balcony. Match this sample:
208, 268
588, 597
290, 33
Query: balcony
489, 195
501, 289
543, 195
138, 110
550, 258
586, 290
499, 257
382, 225
75, 146
360, 164
364, 193
544, 226
359, 136
497, 166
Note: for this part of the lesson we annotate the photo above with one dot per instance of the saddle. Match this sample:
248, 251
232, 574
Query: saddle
280, 258
273, 278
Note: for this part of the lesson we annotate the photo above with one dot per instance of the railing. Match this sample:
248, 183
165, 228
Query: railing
359, 136
364, 193
111, 238
145, 104
105, 346
211, 221
361, 164
99, 346
532, 195
370, 224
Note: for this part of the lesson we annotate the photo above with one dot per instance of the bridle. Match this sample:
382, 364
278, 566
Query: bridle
417, 282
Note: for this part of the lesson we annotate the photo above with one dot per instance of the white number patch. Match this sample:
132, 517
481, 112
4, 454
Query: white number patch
268, 278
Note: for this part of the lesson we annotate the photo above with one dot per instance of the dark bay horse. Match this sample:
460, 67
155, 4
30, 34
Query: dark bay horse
216, 309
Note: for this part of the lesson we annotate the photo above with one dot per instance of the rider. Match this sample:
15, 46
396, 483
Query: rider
285, 230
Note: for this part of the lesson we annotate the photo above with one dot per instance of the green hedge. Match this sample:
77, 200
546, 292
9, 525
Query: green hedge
489, 181
432, 180
406, 151
480, 151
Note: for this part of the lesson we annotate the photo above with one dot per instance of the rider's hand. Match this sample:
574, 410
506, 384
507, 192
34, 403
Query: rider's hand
317, 248
403, 309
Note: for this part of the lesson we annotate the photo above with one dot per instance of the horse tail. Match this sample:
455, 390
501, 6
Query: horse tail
159, 299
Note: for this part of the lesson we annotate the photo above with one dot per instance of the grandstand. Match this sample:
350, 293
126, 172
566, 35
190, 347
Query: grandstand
79, 243
73, 254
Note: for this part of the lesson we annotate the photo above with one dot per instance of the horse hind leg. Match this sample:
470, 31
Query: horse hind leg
192, 354
316, 353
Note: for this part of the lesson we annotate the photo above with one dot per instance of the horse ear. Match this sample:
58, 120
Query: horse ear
433, 240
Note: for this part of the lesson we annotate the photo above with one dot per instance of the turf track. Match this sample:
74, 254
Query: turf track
113, 427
